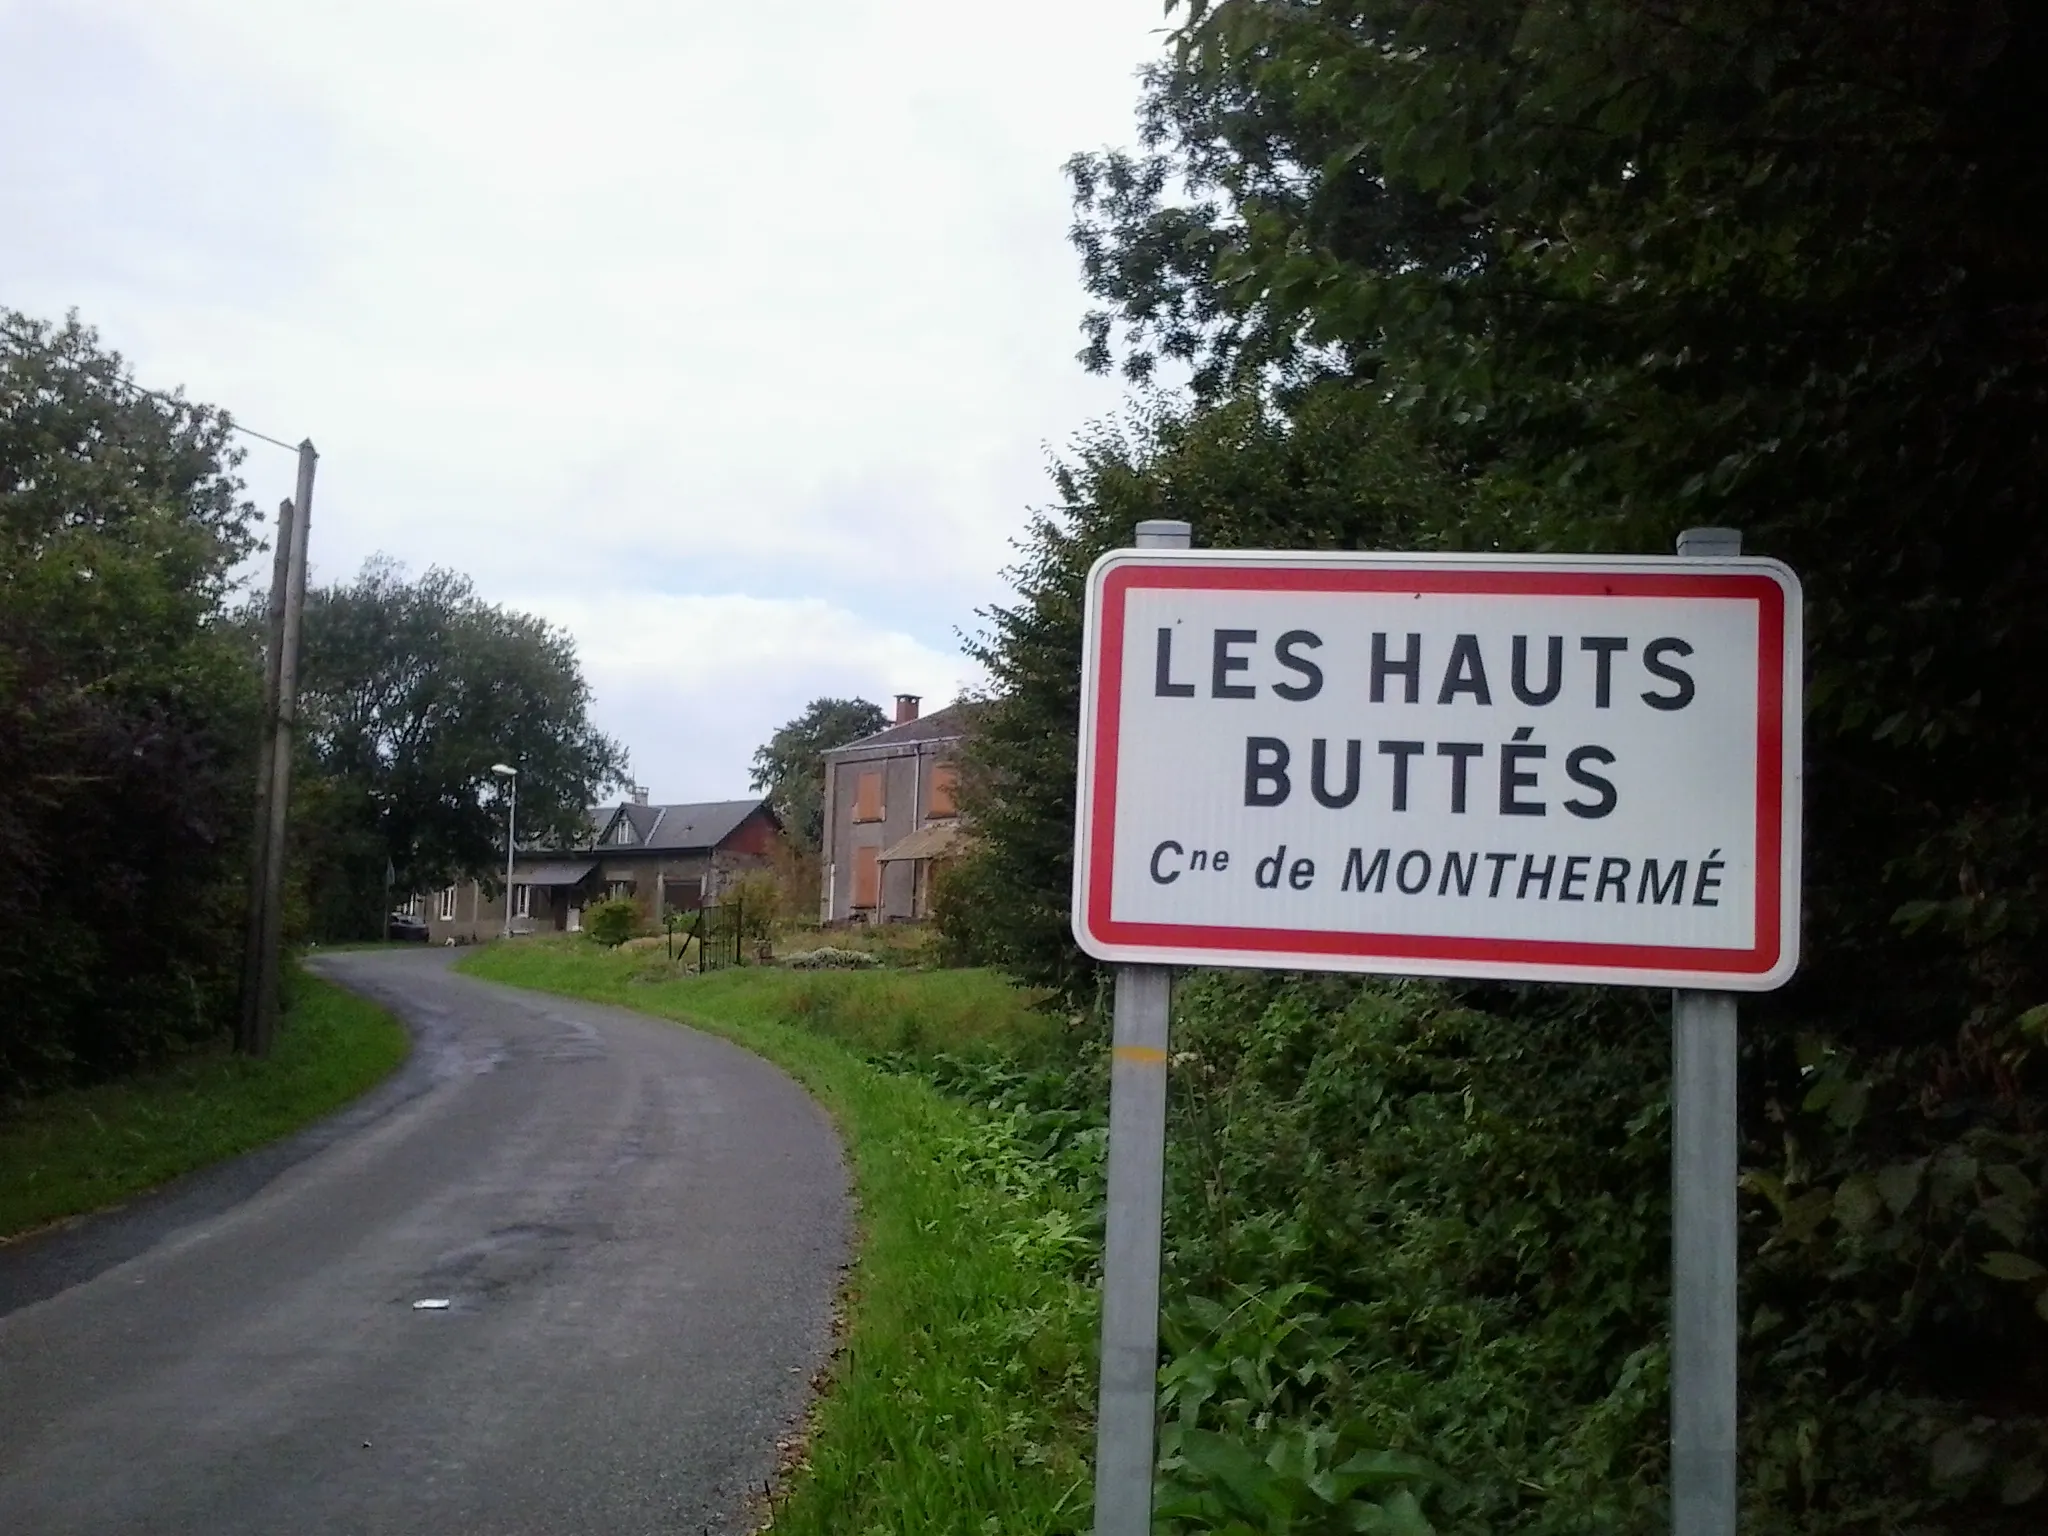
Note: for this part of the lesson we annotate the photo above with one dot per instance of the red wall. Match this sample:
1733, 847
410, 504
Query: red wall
754, 835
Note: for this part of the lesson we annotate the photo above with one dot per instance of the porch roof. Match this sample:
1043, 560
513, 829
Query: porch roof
553, 872
932, 842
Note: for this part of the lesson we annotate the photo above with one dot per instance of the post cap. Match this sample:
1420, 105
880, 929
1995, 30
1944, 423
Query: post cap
1710, 543
1165, 533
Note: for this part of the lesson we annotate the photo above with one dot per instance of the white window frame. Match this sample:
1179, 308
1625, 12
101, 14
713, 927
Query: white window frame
522, 901
444, 905
622, 834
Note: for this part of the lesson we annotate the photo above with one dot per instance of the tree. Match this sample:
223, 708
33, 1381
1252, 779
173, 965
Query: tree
1779, 265
128, 713
411, 691
790, 768
1541, 277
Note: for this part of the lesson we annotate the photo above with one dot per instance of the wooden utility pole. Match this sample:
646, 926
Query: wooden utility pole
259, 843
257, 1027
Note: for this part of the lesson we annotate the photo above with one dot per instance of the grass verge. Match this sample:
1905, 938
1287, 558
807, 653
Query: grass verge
960, 1402
89, 1148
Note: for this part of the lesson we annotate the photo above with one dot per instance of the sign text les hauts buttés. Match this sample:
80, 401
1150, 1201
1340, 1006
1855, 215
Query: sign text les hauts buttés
1534, 768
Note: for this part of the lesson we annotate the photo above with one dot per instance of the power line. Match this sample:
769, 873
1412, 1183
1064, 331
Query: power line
235, 426
25, 343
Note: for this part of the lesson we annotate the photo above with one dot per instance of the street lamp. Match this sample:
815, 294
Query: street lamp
511, 815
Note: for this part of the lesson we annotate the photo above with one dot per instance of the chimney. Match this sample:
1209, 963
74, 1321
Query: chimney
906, 708
639, 794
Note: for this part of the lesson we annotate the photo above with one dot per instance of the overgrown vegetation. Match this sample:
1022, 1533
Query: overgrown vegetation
827, 958
1467, 276
127, 714
87, 1148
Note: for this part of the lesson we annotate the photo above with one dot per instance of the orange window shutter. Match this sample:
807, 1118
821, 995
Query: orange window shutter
867, 805
944, 797
867, 877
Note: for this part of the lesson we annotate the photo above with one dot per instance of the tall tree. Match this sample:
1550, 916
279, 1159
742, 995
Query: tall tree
790, 766
127, 712
1772, 264
412, 690
1579, 276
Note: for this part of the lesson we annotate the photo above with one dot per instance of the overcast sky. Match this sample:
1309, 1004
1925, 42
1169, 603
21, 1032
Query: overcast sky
731, 336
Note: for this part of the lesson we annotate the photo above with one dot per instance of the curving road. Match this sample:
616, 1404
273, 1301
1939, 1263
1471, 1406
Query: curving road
638, 1230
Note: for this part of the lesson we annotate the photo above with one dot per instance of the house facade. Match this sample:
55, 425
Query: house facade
891, 816
662, 857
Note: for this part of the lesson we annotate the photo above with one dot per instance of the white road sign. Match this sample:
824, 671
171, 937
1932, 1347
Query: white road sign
1546, 769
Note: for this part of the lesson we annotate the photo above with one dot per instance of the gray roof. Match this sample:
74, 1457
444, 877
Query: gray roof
948, 724
553, 872
677, 828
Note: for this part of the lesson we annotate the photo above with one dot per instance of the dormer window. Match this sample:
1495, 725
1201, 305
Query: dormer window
622, 834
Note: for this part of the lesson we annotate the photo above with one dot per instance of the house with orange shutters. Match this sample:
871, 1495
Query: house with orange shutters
892, 816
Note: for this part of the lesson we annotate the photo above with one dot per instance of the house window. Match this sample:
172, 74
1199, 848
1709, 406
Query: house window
622, 890
622, 834
444, 905
522, 901
867, 800
942, 799
867, 878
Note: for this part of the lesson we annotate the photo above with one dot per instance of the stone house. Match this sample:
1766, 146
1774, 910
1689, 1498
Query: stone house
663, 857
891, 816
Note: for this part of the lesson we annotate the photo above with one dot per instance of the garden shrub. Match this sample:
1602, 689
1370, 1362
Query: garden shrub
612, 922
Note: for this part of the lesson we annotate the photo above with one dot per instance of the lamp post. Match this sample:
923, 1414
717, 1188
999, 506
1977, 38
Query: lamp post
511, 816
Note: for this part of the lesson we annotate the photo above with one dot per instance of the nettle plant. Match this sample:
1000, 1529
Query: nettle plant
1249, 1445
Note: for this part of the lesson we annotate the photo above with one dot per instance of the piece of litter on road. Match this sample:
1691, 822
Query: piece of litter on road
431, 1304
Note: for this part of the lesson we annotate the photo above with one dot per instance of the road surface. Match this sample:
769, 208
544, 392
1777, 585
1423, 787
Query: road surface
638, 1231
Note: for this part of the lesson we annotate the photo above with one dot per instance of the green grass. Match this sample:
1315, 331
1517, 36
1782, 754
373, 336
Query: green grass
90, 1148
964, 1013
961, 1400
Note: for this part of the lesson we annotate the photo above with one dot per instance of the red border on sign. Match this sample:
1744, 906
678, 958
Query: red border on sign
1758, 960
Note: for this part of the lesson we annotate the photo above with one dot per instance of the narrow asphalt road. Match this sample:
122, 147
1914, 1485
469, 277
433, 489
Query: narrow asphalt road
638, 1231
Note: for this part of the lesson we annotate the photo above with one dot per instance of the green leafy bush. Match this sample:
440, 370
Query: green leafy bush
612, 922
750, 903
1390, 1232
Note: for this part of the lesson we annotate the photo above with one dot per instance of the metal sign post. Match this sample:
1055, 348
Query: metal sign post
1535, 768
1703, 1238
1130, 1261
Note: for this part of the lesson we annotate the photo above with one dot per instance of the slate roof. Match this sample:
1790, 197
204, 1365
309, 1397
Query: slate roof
675, 828
945, 724
554, 872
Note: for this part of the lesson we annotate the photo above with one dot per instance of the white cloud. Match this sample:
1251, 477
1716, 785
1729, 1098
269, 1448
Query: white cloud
695, 683
617, 307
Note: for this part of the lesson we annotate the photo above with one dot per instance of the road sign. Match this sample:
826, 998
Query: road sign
1545, 769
